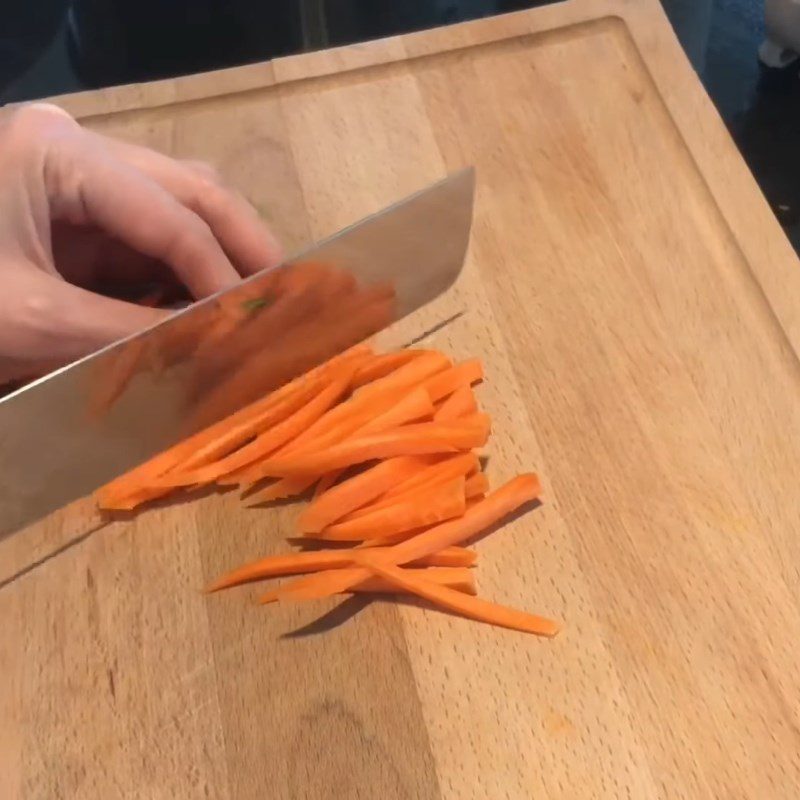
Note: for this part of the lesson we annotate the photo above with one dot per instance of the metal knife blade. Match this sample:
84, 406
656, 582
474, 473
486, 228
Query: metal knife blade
70, 432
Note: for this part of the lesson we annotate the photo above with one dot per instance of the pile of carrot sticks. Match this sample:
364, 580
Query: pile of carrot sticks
387, 441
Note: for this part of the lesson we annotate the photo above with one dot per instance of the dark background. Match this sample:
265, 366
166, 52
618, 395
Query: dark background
50, 47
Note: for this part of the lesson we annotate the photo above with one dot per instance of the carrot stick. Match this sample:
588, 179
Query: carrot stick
316, 560
459, 579
382, 365
421, 439
472, 607
486, 512
447, 469
448, 381
355, 492
413, 373
460, 403
266, 442
417, 511
476, 485
280, 490
326, 481
132, 481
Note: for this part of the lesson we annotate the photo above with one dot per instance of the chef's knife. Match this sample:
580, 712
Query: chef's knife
70, 432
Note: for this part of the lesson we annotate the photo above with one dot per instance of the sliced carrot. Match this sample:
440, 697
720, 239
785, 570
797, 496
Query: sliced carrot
476, 485
382, 365
132, 481
411, 440
266, 442
326, 482
446, 469
472, 607
316, 560
445, 383
459, 579
280, 490
418, 511
413, 373
486, 512
460, 403
356, 492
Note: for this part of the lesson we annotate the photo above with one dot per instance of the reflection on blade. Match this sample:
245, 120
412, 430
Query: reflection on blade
67, 434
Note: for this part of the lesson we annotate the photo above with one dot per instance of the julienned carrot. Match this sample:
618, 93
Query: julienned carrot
411, 440
394, 411
486, 512
459, 579
414, 373
460, 403
280, 490
379, 366
476, 485
316, 560
417, 511
356, 492
137, 479
472, 607
326, 482
448, 381
266, 442
448, 468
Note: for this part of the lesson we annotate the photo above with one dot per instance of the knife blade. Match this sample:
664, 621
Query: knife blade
68, 433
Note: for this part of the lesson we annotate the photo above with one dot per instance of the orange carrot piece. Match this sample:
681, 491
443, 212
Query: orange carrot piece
413, 373
280, 490
266, 442
486, 512
445, 383
382, 365
458, 579
316, 560
472, 607
356, 492
460, 403
411, 440
326, 482
447, 469
476, 485
135, 479
417, 511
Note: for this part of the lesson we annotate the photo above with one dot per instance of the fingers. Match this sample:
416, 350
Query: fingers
235, 223
43, 319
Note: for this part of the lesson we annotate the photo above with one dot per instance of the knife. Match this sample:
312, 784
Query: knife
70, 432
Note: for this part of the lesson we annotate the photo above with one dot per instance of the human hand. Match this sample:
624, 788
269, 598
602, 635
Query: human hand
79, 210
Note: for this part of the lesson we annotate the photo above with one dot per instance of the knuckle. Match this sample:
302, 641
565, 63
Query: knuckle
206, 174
189, 239
38, 119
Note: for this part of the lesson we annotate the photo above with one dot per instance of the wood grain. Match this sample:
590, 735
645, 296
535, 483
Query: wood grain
635, 305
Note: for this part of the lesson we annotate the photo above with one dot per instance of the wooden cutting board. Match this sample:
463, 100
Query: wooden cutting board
638, 312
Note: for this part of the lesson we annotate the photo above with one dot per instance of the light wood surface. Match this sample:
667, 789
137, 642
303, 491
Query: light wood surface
637, 309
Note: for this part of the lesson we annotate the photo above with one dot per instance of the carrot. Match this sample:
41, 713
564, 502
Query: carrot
316, 560
421, 439
326, 481
476, 485
460, 403
381, 365
444, 470
413, 373
486, 512
355, 492
459, 579
448, 381
266, 442
280, 490
132, 482
472, 607
417, 511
